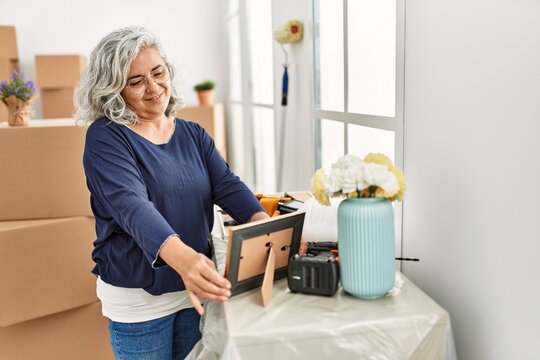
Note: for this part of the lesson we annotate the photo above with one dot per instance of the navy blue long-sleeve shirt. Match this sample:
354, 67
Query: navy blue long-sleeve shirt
142, 193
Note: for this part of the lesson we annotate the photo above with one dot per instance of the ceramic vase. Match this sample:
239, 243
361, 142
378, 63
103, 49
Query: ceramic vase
366, 246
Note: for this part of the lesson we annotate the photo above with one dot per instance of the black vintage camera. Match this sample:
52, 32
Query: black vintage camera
317, 272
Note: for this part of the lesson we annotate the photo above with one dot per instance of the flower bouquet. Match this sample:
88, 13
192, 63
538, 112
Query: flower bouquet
352, 177
17, 94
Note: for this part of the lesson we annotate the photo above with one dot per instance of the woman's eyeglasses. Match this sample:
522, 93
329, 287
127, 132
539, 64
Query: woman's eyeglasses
138, 84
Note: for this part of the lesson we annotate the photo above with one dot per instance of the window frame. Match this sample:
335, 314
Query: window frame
395, 124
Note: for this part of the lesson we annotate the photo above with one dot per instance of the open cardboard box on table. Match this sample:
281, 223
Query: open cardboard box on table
259, 252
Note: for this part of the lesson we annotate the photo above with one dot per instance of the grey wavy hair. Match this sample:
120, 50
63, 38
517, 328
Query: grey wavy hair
106, 73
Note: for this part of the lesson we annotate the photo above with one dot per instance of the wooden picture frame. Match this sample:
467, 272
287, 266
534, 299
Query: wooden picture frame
248, 247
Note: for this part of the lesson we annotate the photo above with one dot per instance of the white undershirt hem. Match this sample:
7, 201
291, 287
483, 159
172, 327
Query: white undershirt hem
136, 305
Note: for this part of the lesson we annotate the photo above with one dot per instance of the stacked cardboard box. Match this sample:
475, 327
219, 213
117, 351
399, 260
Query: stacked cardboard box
57, 77
9, 59
212, 119
79, 334
48, 303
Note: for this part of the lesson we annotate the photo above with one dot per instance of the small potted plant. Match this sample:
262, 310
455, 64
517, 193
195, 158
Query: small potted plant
18, 95
205, 92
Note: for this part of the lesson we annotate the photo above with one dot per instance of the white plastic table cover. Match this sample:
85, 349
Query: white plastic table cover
405, 324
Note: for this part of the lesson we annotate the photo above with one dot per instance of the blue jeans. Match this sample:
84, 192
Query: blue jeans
169, 337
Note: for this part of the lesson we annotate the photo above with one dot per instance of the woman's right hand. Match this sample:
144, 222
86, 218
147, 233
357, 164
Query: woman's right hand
197, 271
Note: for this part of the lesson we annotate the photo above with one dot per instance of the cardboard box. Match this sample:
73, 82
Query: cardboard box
57, 103
45, 267
42, 172
7, 66
58, 71
3, 112
78, 334
8, 43
212, 119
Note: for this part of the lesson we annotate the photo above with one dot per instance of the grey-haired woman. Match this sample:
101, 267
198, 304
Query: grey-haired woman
153, 181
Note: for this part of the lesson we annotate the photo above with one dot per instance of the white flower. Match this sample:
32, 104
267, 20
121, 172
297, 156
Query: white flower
379, 175
354, 177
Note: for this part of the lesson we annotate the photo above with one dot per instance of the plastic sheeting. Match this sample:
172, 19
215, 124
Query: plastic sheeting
406, 324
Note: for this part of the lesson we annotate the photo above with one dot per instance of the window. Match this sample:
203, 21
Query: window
251, 99
358, 76
358, 61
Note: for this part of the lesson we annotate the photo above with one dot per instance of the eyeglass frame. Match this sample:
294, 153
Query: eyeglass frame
145, 80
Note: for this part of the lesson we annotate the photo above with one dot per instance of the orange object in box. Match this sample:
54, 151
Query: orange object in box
79, 333
45, 267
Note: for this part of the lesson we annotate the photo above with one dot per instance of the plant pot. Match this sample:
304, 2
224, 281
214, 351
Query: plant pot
18, 111
206, 97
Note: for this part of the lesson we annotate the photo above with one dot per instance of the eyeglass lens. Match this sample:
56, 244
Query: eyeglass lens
159, 75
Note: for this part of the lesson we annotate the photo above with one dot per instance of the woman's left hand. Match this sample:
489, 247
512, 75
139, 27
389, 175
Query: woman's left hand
303, 247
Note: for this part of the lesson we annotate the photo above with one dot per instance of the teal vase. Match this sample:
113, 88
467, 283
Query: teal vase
366, 246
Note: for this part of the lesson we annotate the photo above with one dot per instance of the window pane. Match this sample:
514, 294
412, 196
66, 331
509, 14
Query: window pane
363, 140
236, 141
372, 57
259, 16
265, 157
235, 64
332, 142
331, 73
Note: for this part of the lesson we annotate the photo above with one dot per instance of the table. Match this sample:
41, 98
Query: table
406, 324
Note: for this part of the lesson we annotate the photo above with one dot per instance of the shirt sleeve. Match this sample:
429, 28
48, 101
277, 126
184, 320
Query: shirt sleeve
228, 191
116, 183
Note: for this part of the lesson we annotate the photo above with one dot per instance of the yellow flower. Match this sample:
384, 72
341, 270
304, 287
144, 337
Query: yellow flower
380, 159
317, 187
401, 182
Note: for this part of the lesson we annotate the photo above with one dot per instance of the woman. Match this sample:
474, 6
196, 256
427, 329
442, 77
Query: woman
153, 181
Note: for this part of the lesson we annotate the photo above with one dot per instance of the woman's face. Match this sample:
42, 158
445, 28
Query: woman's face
148, 88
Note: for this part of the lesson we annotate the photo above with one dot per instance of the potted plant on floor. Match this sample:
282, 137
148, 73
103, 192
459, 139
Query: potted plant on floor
205, 92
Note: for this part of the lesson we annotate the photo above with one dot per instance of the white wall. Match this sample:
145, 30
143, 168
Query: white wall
192, 33
472, 122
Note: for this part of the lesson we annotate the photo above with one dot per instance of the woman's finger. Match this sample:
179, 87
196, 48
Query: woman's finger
196, 303
214, 277
200, 292
210, 288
